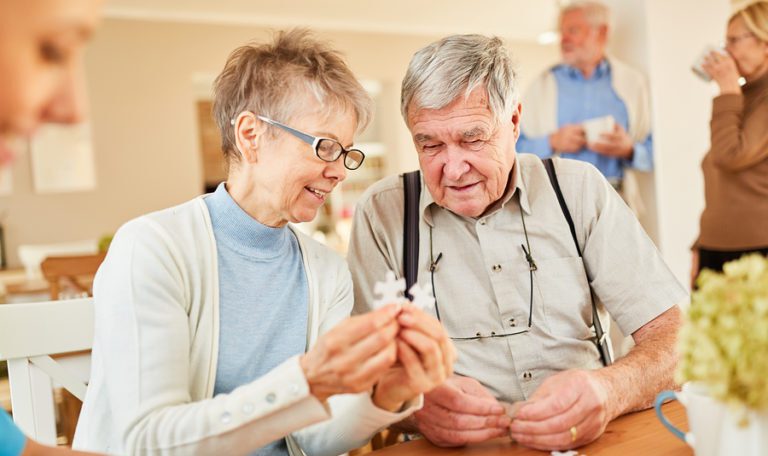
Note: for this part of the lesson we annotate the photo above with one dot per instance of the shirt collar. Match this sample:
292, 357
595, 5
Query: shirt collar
517, 185
241, 232
603, 69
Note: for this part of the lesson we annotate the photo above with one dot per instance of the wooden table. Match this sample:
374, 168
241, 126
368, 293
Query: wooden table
639, 433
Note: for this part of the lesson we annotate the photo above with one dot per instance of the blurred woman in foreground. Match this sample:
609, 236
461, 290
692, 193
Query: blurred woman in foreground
41, 55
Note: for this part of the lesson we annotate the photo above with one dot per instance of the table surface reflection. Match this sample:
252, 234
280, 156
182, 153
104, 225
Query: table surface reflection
638, 433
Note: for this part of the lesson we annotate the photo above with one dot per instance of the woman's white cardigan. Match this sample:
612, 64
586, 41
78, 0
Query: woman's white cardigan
156, 345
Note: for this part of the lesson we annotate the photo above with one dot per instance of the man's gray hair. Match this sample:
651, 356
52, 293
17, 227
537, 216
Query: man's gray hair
597, 13
455, 66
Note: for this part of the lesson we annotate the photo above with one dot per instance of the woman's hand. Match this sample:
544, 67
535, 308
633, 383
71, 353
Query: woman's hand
426, 356
352, 357
722, 68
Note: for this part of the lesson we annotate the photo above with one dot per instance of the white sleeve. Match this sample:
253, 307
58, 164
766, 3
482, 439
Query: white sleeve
144, 330
355, 417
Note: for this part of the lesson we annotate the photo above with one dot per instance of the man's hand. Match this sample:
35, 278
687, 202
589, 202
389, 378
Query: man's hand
569, 409
460, 411
568, 139
425, 354
617, 144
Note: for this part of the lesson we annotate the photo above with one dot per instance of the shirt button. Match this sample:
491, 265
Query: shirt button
248, 408
527, 375
271, 398
496, 268
482, 222
226, 417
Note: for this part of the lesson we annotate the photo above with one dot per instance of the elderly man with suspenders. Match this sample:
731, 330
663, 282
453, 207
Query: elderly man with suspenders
525, 258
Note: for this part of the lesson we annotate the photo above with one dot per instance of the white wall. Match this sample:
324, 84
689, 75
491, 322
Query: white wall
677, 32
662, 39
629, 43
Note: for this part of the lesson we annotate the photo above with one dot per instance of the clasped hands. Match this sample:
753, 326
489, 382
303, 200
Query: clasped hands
571, 138
397, 352
569, 409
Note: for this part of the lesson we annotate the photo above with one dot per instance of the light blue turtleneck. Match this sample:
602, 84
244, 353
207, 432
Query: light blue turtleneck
263, 296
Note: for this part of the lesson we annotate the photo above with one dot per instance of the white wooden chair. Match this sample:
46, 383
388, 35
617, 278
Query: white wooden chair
31, 334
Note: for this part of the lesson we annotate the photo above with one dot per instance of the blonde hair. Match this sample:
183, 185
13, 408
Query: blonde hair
266, 78
755, 16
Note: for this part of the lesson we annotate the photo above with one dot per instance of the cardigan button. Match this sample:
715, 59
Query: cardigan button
226, 417
271, 398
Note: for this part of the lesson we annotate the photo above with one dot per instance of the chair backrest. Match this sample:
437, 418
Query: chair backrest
70, 268
31, 334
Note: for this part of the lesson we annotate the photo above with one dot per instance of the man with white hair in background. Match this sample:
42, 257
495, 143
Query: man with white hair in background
516, 287
567, 108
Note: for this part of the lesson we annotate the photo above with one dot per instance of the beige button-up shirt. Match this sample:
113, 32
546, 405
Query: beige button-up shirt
482, 282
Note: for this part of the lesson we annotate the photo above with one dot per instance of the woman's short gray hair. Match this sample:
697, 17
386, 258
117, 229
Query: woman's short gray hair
268, 80
596, 13
456, 65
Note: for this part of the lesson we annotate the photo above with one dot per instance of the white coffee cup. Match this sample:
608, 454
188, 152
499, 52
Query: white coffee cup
705, 418
697, 67
595, 127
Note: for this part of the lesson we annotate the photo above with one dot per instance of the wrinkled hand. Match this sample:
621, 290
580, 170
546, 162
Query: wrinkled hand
352, 356
722, 68
460, 411
425, 354
616, 144
568, 139
570, 398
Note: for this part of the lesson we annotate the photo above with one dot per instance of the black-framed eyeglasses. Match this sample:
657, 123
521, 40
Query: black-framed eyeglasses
326, 149
479, 335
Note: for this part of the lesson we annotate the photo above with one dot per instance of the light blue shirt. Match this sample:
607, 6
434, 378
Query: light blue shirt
580, 99
12, 441
263, 298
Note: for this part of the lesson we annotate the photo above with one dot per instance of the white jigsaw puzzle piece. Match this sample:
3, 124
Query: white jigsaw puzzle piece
422, 297
389, 291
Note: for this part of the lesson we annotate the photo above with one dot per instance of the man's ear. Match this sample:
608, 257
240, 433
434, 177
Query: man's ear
249, 131
516, 116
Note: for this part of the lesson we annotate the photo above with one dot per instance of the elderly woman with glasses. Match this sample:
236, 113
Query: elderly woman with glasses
222, 330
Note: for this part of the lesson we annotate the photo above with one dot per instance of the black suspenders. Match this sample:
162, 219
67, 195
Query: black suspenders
412, 186
601, 339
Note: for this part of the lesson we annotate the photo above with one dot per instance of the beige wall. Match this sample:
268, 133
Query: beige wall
140, 78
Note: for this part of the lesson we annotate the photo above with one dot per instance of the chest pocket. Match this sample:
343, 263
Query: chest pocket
564, 289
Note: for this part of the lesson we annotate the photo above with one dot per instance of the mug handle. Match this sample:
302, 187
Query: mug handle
686, 437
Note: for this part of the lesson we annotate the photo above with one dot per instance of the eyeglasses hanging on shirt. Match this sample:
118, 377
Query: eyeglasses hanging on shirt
486, 334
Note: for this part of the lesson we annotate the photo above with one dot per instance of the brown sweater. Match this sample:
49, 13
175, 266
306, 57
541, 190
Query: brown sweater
736, 172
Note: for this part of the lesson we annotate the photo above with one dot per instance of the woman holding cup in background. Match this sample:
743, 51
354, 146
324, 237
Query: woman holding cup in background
735, 219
